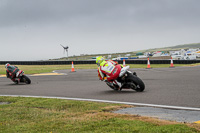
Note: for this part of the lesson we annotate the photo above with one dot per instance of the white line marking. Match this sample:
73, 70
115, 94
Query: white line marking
107, 101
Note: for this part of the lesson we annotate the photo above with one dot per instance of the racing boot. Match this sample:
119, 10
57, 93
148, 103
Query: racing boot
16, 80
119, 84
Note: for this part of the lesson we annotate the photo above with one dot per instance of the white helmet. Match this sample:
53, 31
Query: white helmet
7, 64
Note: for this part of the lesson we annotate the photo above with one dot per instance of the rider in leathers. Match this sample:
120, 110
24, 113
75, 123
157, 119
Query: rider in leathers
12, 72
108, 70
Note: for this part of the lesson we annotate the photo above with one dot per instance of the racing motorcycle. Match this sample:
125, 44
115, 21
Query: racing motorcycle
22, 77
128, 80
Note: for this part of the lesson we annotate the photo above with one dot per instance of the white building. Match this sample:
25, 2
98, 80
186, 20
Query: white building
174, 53
156, 54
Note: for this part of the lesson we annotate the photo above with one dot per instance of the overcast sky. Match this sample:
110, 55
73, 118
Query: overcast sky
34, 29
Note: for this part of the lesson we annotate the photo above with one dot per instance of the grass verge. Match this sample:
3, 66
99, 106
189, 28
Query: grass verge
35, 69
56, 116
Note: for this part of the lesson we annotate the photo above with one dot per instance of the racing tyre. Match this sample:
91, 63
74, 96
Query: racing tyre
26, 79
138, 83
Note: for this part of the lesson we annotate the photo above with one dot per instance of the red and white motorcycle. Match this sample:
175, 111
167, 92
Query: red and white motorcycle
127, 80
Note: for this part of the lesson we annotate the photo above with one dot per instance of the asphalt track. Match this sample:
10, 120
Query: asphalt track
178, 86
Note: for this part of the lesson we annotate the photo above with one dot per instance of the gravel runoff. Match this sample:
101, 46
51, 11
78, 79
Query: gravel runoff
162, 113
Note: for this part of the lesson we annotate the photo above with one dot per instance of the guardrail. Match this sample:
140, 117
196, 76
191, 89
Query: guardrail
94, 62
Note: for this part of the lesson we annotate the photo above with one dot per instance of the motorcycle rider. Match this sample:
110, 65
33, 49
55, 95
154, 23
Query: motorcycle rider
108, 71
12, 72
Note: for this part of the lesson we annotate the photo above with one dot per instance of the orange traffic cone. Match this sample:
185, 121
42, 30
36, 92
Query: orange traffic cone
73, 67
124, 64
148, 64
172, 64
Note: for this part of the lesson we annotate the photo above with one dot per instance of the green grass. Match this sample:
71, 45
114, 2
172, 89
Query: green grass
33, 69
57, 116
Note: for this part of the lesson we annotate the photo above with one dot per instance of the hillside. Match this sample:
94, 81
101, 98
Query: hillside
193, 45
177, 47
133, 53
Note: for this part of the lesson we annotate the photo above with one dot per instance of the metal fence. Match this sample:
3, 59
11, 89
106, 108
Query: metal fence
93, 62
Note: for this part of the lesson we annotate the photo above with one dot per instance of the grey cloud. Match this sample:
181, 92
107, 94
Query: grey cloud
90, 23
136, 11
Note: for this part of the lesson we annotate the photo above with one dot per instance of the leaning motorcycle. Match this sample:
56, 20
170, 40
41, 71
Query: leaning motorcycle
22, 78
128, 80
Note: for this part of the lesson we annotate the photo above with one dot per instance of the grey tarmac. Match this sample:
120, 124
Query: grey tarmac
179, 86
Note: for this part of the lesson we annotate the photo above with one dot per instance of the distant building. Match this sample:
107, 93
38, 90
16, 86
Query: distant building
158, 53
183, 52
128, 55
109, 56
147, 54
139, 53
175, 52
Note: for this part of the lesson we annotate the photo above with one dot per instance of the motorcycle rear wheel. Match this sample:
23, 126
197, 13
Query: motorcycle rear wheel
26, 79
